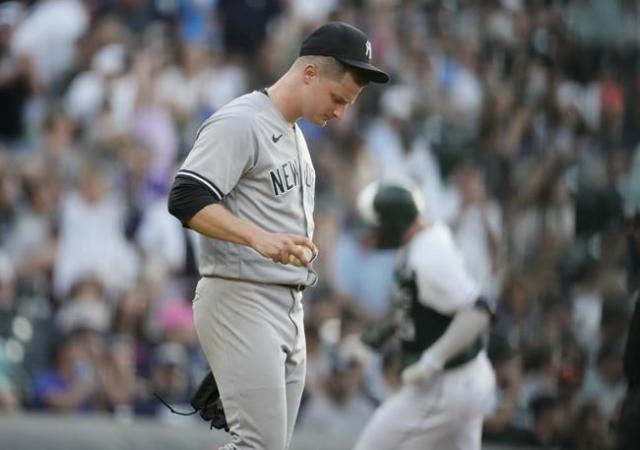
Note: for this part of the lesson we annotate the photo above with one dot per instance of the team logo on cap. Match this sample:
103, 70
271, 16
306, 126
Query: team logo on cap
367, 50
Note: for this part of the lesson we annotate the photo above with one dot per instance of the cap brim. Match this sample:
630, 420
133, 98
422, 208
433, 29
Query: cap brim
373, 73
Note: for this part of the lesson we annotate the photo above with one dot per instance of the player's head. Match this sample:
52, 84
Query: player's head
335, 61
390, 208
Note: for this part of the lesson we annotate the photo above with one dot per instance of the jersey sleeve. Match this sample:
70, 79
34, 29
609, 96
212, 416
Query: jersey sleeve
224, 150
187, 197
441, 277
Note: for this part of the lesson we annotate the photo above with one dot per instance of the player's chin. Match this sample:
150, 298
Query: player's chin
320, 121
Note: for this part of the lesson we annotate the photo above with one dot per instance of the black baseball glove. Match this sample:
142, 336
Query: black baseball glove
206, 400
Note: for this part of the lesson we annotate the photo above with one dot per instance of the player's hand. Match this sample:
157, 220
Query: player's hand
285, 248
422, 371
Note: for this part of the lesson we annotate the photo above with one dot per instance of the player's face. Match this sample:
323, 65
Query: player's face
329, 98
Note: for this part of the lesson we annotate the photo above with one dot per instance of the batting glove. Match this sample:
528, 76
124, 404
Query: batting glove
422, 371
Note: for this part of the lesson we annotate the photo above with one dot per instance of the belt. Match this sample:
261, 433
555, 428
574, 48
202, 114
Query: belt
295, 287
299, 287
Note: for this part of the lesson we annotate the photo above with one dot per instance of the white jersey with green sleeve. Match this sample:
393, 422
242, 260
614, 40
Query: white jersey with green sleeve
258, 166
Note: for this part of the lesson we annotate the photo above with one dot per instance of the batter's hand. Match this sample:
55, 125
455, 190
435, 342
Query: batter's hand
422, 371
280, 247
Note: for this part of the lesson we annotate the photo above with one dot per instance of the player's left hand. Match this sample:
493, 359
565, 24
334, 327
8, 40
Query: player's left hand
422, 371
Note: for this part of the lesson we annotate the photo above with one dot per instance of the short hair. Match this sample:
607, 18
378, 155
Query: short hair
333, 69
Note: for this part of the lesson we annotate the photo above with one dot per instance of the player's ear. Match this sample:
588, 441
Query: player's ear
310, 73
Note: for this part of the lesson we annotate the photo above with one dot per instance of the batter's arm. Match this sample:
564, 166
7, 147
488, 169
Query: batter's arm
465, 327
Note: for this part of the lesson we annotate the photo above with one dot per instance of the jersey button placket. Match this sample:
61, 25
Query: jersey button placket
302, 191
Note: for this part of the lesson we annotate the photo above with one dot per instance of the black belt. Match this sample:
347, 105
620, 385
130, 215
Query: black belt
296, 287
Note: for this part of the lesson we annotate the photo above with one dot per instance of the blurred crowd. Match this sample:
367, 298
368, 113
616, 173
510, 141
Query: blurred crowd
518, 119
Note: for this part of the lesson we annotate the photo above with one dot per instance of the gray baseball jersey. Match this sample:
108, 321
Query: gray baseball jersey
258, 165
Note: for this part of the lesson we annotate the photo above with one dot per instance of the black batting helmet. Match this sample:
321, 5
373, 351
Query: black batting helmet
389, 208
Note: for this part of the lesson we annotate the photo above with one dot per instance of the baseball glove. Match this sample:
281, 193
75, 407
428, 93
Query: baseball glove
206, 400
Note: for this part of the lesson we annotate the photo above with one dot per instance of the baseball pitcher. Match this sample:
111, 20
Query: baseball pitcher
247, 187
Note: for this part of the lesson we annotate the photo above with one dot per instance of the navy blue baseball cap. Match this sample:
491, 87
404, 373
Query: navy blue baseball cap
345, 43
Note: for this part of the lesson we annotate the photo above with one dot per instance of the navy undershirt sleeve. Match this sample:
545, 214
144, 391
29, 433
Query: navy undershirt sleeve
188, 196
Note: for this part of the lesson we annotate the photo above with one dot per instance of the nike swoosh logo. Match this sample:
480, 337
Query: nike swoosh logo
275, 139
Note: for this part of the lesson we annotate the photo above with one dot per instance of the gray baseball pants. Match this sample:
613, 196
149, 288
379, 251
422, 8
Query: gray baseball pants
253, 337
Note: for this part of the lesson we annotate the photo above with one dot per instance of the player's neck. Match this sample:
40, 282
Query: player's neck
283, 95
415, 228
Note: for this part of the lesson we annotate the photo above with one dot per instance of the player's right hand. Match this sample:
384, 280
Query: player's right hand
281, 247
422, 371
